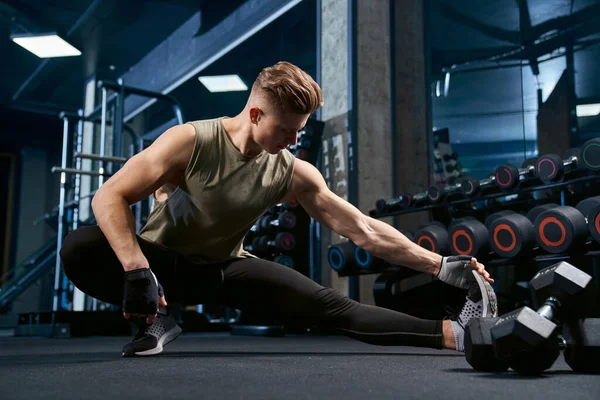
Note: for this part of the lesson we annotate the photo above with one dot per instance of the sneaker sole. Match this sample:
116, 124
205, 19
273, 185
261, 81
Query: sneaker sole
165, 339
490, 302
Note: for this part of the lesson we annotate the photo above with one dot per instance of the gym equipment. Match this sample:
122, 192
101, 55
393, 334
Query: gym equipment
284, 241
479, 349
366, 261
437, 193
582, 345
290, 205
552, 168
527, 339
405, 200
285, 261
563, 228
469, 237
513, 234
433, 237
341, 256
592, 214
470, 186
285, 220
508, 176
590, 154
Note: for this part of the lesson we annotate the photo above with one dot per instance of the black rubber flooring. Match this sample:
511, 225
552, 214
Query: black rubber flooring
221, 366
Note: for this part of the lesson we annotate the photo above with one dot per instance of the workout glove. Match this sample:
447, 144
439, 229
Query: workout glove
141, 292
455, 271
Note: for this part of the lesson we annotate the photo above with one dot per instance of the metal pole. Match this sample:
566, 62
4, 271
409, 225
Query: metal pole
76, 171
102, 138
77, 191
121, 160
61, 213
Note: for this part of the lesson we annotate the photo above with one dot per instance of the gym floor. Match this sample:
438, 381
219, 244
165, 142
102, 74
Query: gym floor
221, 366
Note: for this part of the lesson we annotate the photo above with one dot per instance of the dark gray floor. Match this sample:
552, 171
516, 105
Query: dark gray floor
220, 366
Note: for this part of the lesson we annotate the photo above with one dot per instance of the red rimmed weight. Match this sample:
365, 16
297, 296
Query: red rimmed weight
560, 229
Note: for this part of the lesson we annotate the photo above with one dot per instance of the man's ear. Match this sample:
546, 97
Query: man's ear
255, 114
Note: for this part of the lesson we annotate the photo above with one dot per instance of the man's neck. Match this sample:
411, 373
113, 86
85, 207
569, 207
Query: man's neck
241, 136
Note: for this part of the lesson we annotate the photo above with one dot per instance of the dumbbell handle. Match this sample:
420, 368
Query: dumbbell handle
549, 309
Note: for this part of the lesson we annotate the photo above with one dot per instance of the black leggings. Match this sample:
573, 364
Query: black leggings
248, 284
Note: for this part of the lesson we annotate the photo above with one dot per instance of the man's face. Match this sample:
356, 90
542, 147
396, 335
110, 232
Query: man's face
276, 131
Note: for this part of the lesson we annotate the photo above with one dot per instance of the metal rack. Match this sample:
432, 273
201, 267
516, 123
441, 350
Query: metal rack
116, 102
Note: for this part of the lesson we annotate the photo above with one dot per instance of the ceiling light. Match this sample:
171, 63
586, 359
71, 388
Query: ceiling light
588, 110
223, 83
46, 45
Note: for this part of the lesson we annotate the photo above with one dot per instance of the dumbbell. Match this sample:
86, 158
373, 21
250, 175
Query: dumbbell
283, 241
438, 193
341, 257
290, 205
469, 237
528, 339
512, 234
561, 229
367, 261
508, 176
470, 186
590, 154
479, 349
405, 200
453, 156
285, 220
593, 220
434, 238
285, 261
553, 168
581, 340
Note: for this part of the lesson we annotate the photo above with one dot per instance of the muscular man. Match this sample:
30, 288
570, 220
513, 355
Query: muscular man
211, 181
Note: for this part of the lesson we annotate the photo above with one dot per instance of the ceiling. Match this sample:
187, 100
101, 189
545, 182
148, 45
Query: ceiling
482, 104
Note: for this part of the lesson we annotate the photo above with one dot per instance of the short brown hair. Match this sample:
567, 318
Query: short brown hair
288, 88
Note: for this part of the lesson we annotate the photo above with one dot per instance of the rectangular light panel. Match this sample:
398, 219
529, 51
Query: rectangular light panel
223, 83
46, 46
588, 110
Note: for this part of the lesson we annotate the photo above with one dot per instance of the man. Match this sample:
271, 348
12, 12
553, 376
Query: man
212, 180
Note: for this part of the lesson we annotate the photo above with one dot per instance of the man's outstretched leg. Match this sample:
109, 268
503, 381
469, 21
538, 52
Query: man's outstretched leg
260, 284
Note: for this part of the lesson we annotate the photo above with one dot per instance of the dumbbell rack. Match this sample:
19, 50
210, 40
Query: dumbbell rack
511, 275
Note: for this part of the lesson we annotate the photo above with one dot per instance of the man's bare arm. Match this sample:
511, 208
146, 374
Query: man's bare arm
376, 237
143, 174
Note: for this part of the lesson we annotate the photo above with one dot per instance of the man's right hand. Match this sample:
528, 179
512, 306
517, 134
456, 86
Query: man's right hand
142, 294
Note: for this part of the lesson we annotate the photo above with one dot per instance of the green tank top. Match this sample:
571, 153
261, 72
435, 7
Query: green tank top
221, 196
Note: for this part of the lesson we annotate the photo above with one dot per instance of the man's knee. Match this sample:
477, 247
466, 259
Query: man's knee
78, 245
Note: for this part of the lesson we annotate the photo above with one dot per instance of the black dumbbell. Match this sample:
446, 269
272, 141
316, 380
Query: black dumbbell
564, 228
434, 238
479, 349
438, 193
405, 200
508, 176
553, 168
582, 345
367, 261
341, 257
471, 187
285, 261
528, 339
283, 241
285, 220
513, 234
593, 221
590, 154
469, 237
453, 156
290, 205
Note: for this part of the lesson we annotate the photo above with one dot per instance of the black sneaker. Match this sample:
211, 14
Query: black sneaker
149, 340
